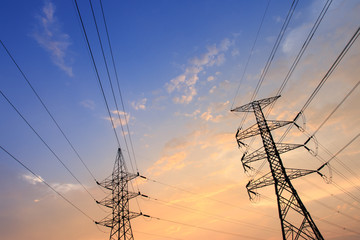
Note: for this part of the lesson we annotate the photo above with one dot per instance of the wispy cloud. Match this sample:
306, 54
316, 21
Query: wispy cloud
124, 118
215, 112
175, 154
49, 36
67, 187
184, 84
32, 179
210, 78
62, 188
168, 162
88, 104
193, 115
139, 105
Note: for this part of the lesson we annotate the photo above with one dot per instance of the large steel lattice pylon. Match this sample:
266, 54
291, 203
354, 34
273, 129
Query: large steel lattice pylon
118, 200
296, 222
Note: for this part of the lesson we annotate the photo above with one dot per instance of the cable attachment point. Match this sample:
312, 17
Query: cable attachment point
312, 152
246, 166
253, 196
327, 178
302, 129
241, 144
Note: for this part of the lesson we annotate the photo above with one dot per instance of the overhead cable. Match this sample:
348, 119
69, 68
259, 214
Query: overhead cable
330, 207
46, 145
48, 111
336, 225
203, 228
118, 85
301, 52
251, 53
342, 149
295, 63
110, 82
112, 90
272, 55
97, 72
325, 78
222, 218
47, 184
212, 199
156, 235
327, 222
336, 108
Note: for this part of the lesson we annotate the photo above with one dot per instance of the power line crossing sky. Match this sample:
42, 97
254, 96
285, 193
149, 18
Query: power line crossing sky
179, 65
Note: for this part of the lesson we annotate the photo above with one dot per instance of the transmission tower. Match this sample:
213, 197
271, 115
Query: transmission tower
296, 222
118, 200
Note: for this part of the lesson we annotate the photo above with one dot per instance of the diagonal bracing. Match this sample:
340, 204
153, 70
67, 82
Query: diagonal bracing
119, 220
296, 222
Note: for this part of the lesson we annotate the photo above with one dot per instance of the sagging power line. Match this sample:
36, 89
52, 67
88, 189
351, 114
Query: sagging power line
296, 222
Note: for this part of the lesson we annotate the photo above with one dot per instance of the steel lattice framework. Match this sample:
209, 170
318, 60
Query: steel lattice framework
119, 220
296, 222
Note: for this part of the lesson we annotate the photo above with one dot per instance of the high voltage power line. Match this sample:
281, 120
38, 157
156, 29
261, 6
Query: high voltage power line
272, 54
126, 122
100, 82
47, 184
251, 53
293, 66
325, 221
97, 72
47, 110
110, 82
325, 78
317, 89
147, 216
302, 50
46, 144
118, 84
279, 176
219, 217
203, 228
209, 198
322, 124
332, 195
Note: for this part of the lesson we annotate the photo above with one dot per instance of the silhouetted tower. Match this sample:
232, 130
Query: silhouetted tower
119, 220
296, 222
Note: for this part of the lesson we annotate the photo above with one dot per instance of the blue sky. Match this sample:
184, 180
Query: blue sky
179, 64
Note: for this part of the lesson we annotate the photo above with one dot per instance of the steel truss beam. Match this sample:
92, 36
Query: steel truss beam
119, 220
296, 222
260, 153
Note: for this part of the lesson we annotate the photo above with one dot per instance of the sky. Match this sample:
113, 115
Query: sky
182, 66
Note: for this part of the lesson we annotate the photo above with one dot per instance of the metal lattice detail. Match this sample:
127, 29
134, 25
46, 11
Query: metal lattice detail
260, 153
249, 108
254, 130
268, 179
296, 222
119, 220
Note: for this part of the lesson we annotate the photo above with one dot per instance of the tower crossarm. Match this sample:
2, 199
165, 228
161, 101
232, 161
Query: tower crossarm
254, 130
110, 182
110, 201
119, 220
267, 179
110, 220
292, 211
248, 107
292, 232
261, 153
